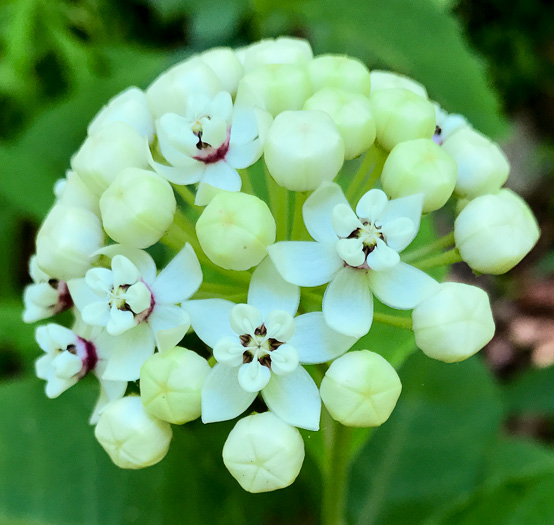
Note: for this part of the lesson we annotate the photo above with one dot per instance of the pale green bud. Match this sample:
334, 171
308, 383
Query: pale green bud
494, 232
72, 191
389, 80
275, 87
360, 389
454, 323
137, 208
235, 230
401, 115
225, 63
339, 71
282, 50
132, 438
303, 149
106, 152
482, 166
170, 385
420, 166
67, 240
263, 453
351, 112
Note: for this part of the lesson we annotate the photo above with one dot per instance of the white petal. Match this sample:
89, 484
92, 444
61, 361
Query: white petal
344, 220
253, 376
36, 273
222, 396
245, 319
180, 279
120, 321
280, 325
228, 351
402, 287
244, 127
43, 366
100, 281
124, 271
372, 205
180, 175
315, 342
294, 398
210, 319
268, 291
214, 132
109, 391
242, 156
305, 263
66, 365
284, 360
222, 106
56, 385
138, 297
348, 304
97, 313
398, 233
410, 207
382, 257
351, 251
170, 324
41, 295
80, 293
318, 209
222, 176
141, 259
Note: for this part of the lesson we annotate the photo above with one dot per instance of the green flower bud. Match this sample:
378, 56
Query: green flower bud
339, 71
401, 115
132, 438
282, 50
235, 230
454, 323
351, 112
263, 453
494, 232
360, 389
72, 191
275, 87
170, 385
420, 166
482, 166
137, 208
225, 63
303, 149
389, 80
106, 152
67, 240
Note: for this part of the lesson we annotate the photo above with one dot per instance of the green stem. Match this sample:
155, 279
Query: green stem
373, 163
393, 320
336, 445
442, 242
442, 259
246, 182
298, 229
186, 194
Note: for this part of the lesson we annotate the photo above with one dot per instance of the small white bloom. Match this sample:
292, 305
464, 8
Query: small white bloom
259, 347
358, 254
447, 123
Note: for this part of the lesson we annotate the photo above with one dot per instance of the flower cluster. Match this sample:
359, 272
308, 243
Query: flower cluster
280, 192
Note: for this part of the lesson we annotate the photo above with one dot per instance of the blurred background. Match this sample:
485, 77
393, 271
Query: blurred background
468, 443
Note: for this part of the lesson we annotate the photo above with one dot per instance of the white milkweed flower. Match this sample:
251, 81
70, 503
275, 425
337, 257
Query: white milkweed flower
447, 123
210, 142
142, 309
358, 254
259, 347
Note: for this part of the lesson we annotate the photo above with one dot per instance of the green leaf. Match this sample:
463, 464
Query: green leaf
532, 392
14, 333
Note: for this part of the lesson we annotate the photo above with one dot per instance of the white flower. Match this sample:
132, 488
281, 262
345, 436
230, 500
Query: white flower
259, 346
45, 297
358, 254
210, 142
142, 309
447, 123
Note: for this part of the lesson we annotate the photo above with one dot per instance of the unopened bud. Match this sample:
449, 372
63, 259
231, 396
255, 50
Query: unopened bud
170, 385
132, 438
389, 80
226, 65
282, 50
401, 115
72, 191
351, 112
360, 389
339, 71
235, 230
420, 166
454, 323
263, 453
482, 166
137, 208
303, 149
494, 232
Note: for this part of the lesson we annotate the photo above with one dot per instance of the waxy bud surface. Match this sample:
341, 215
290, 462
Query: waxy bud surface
339, 71
389, 80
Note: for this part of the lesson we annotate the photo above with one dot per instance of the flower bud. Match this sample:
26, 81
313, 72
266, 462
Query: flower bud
131, 107
275, 88
170, 91
106, 152
401, 115
72, 191
170, 385
494, 232
263, 453
282, 50
137, 208
389, 80
482, 166
226, 65
235, 230
420, 166
132, 438
67, 240
303, 149
360, 389
351, 112
339, 71
454, 323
